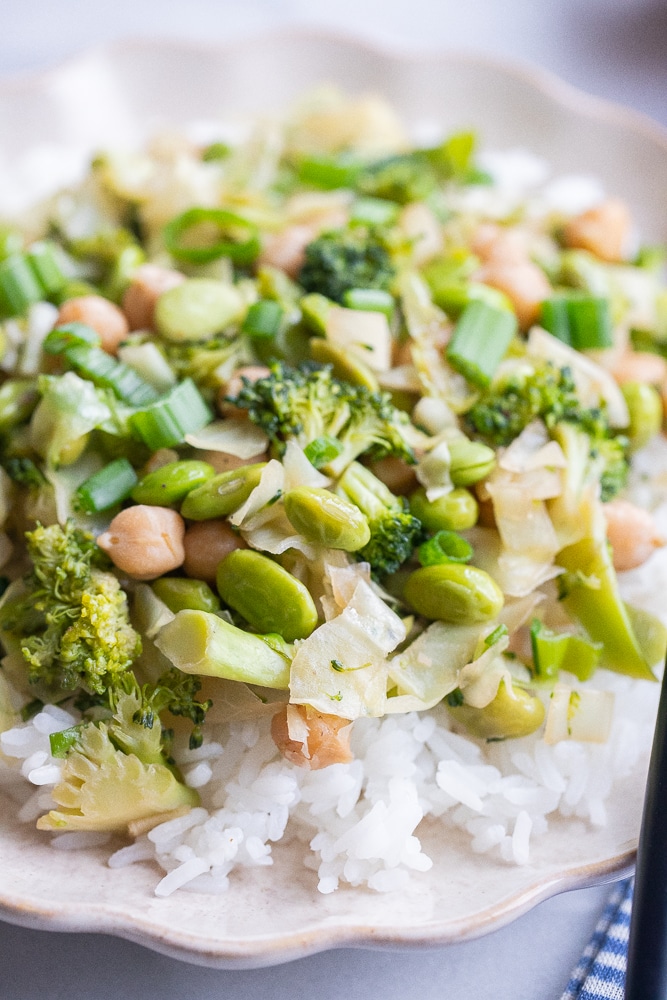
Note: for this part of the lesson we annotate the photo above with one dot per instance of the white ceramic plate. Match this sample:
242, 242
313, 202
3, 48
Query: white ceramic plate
275, 914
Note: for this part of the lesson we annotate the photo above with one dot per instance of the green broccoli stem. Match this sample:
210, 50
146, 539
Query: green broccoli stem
369, 493
198, 642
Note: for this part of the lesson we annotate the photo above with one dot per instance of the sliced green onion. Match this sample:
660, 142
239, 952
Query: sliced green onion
373, 212
11, 242
582, 321
42, 258
166, 422
323, 450
263, 319
480, 341
493, 637
237, 238
590, 323
369, 300
62, 742
106, 488
93, 363
216, 151
328, 173
444, 547
554, 318
552, 653
19, 286
69, 334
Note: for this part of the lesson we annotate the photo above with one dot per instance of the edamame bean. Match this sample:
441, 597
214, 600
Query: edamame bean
223, 494
645, 409
268, 597
180, 594
171, 483
470, 461
455, 593
197, 309
18, 399
326, 519
511, 714
456, 511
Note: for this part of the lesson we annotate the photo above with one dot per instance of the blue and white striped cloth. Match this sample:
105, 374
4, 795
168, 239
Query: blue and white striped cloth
600, 974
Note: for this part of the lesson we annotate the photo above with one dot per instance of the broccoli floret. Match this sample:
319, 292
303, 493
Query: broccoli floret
210, 363
115, 773
549, 393
546, 392
24, 472
307, 403
394, 530
403, 179
72, 619
338, 261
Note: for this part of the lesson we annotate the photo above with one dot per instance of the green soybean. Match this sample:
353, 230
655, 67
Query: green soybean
223, 494
645, 410
171, 483
511, 714
326, 519
269, 598
180, 594
456, 511
455, 593
470, 461
197, 309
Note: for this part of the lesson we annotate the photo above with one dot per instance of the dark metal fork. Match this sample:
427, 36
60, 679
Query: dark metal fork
646, 977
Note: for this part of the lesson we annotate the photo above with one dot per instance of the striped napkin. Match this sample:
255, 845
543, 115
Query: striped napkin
600, 974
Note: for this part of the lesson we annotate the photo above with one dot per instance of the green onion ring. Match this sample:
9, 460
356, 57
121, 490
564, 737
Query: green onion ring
241, 252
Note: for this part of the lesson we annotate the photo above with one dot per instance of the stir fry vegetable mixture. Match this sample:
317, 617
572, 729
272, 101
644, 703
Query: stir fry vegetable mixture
325, 424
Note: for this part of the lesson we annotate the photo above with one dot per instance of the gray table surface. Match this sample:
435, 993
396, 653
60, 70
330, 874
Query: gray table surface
613, 48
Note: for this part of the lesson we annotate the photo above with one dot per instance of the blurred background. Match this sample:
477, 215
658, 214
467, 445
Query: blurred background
613, 48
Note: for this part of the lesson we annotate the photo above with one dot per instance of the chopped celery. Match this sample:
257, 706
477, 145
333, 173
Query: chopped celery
166, 422
582, 321
480, 341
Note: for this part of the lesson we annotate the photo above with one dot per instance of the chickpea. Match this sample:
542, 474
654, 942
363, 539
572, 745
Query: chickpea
602, 230
222, 461
396, 474
206, 544
640, 366
632, 534
103, 316
286, 250
148, 283
496, 243
163, 456
522, 282
144, 541
326, 737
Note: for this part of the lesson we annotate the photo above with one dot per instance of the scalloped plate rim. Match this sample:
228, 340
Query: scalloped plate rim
276, 948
